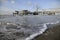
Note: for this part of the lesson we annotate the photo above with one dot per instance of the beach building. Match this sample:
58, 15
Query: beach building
49, 12
24, 12
39, 12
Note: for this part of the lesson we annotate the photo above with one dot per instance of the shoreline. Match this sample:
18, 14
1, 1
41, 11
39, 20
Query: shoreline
50, 34
42, 32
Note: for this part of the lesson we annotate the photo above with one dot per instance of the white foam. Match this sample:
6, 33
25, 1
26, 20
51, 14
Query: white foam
40, 32
8, 23
57, 22
11, 23
53, 22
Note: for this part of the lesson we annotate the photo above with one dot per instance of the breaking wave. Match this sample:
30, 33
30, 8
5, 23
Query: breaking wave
33, 31
41, 31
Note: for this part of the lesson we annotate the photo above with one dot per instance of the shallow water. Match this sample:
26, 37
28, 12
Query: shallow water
27, 26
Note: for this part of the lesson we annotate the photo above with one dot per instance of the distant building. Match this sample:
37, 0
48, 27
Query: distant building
35, 13
49, 12
24, 12
41, 12
15, 13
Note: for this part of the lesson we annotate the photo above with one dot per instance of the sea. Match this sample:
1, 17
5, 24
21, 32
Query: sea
27, 26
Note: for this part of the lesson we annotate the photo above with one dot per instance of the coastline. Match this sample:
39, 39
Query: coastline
50, 34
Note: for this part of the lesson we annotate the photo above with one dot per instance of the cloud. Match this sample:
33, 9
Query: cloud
12, 1
5, 10
5, 1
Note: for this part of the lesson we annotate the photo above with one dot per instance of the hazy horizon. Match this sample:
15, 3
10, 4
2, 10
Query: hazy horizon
11, 5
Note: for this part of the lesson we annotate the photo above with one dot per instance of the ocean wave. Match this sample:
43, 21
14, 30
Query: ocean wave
41, 31
22, 29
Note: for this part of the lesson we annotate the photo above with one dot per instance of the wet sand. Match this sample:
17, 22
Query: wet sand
50, 34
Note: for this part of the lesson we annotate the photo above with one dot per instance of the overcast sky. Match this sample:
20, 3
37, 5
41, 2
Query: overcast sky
11, 5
